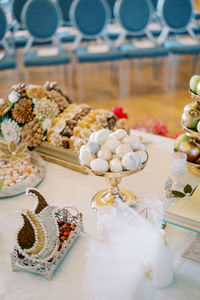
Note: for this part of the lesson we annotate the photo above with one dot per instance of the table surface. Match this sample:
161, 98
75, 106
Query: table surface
64, 187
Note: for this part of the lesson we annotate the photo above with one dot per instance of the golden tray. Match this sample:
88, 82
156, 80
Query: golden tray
195, 96
192, 133
193, 168
65, 157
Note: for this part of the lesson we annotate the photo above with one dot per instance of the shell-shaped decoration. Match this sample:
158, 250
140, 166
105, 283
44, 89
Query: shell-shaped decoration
39, 236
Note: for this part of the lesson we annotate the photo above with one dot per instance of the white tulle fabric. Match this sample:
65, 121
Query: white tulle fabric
129, 259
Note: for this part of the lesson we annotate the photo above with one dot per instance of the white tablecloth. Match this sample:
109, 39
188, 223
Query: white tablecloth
64, 187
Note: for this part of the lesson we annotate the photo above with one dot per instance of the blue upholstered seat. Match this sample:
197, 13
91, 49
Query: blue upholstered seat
90, 18
176, 47
8, 62
42, 18
8, 59
32, 59
131, 51
17, 7
177, 16
135, 17
83, 55
65, 6
111, 4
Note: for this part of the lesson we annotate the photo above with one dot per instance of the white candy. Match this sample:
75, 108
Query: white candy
115, 165
92, 137
104, 153
112, 144
99, 165
93, 147
120, 134
101, 136
130, 161
143, 155
123, 149
133, 141
83, 148
85, 158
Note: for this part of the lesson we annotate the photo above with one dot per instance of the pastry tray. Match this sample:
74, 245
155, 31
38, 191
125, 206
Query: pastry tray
58, 155
47, 268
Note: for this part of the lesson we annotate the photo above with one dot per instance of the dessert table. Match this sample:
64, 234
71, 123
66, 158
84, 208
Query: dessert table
64, 187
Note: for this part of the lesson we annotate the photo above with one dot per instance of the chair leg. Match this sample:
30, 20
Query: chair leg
166, 72
173, 66
124, 78
195, 59
68, 76
80, 82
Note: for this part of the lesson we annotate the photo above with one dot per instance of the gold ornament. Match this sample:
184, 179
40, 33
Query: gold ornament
12, 152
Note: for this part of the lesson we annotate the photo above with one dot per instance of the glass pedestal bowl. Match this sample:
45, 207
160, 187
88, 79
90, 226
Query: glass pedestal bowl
113, 179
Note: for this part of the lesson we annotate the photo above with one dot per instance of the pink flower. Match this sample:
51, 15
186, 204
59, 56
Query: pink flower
118, 111
160, 129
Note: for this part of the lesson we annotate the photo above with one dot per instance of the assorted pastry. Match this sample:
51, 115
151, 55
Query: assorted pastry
72, 128
34, 113
115, 151
17, 172
45, 236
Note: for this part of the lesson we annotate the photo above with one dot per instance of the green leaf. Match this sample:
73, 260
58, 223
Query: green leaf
187, 189
10, 104
1, 184
177, 194
18, 94
41, 119
193, 190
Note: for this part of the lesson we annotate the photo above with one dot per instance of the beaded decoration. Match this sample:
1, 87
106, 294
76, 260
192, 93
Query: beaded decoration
45, 237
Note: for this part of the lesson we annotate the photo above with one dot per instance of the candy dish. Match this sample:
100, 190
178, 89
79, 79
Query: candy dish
113, 179
38, 174
46, 235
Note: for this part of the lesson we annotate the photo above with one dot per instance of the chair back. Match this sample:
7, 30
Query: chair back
3, 23
41, 18
3, 29
111, 4
134, 16
154, 3
90, 17
176, 14
17, 7
65, 8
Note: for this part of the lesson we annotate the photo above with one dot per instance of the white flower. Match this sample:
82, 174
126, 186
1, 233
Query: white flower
10, 131
13, 97
34, 100
46, 124
2, 101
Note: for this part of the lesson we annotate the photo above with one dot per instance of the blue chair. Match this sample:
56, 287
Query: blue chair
7, 61
91, 18
66, 33
19, 35
135, 17
42, 18
177, 16
111, 4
